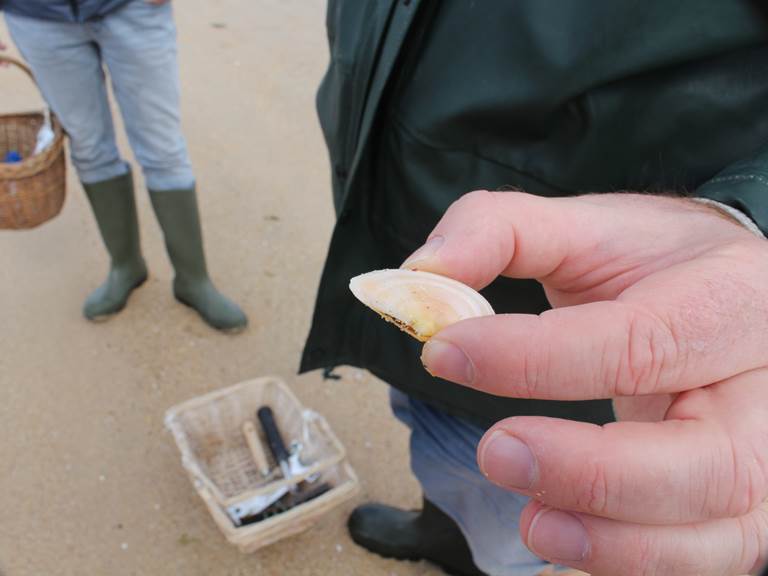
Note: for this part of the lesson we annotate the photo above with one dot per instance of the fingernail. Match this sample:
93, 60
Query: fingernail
424, 253
448, 361
507, 461
558, 536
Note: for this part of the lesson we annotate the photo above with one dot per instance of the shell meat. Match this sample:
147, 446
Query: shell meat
420, 303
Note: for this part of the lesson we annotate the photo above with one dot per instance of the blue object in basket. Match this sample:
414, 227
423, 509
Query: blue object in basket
11, 157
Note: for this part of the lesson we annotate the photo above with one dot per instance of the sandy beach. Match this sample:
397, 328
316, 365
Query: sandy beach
91, 483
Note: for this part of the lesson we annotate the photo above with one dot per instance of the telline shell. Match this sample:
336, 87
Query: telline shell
419, 303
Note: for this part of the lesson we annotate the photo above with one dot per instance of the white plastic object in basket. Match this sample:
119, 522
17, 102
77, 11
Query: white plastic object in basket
215, 454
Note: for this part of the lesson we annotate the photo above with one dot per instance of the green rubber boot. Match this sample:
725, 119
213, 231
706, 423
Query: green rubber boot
114, 207
179, 218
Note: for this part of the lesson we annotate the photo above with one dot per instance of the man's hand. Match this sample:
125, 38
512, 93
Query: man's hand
660, 303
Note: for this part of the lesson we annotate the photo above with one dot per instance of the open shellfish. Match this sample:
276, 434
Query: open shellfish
419, 303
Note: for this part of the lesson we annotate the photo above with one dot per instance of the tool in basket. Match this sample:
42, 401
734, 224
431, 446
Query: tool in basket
289, 501
287, 496
257, 451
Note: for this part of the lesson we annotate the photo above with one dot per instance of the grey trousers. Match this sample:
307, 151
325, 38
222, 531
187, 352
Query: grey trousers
443, 460
137, 45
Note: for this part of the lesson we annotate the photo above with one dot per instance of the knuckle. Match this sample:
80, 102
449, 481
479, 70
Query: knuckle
642, 557
594, 497
754, 529
537, 358
652, 554
481, 197
746, 482
650, 354
530, 376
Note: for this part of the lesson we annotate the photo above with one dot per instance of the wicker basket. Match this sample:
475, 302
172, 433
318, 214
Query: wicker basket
31, 191
209, 434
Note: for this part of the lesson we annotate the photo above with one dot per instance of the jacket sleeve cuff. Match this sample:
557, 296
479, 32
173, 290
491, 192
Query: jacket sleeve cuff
743, 186
737, 215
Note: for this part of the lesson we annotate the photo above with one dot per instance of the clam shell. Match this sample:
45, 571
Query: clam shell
419, 303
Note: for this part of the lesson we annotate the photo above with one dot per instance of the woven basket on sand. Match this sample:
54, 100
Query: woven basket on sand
31, 191
209, 434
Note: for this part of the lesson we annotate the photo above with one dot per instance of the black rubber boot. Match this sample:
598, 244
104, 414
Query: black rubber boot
114, 207
427, 534
179, 218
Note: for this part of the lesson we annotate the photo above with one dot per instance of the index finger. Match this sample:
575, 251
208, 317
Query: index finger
659, 303
490, 244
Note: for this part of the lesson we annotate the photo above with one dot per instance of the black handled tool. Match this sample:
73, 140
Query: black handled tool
285, 498
275, 440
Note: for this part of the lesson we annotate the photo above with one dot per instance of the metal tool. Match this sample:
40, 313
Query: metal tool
287, 502
255, 505
266, 505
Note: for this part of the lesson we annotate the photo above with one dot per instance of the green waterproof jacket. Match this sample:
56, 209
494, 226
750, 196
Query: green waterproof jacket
425, 100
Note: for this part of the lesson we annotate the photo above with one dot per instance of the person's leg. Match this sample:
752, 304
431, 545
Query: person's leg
138, 44
467, 523
67, 67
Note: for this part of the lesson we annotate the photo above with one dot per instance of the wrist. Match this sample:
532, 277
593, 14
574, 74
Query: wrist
732, 214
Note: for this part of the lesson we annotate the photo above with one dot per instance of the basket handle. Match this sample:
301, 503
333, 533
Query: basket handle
18, 64
28, 71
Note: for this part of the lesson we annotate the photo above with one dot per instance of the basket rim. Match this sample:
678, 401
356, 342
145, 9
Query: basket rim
174, 411
173, 423
315, 508
243, 535
38, 162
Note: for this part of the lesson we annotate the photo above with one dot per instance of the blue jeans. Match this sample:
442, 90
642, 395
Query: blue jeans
137, 44
443, 460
